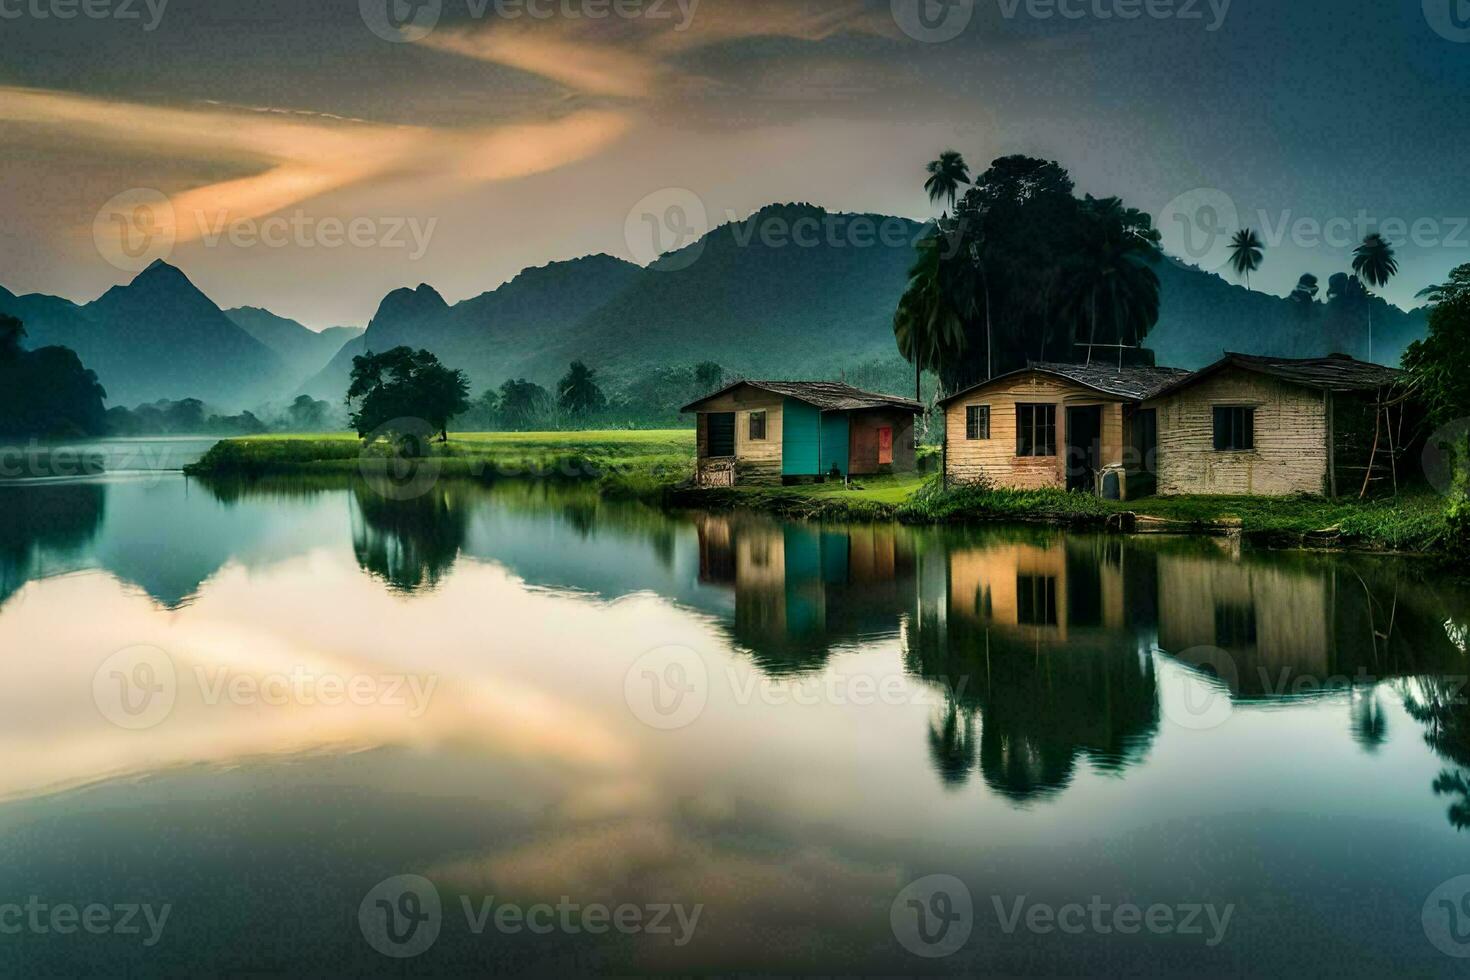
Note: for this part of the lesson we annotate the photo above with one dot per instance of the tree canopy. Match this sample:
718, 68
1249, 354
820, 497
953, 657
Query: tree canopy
403, 385
1027, 271
46, 392
578, 392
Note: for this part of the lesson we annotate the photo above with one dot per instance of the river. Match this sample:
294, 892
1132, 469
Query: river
520, 729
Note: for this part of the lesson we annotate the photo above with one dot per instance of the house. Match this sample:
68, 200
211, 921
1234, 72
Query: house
1279, 426
1056, 425
1244, 425
771, 431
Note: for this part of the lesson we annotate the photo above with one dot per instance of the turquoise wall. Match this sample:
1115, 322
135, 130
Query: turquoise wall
834, 442
800, 438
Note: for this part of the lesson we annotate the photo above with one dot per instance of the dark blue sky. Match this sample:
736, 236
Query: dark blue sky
510, 140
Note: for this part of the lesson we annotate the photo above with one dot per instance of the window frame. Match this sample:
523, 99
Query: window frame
1028, 446
974, 431
1240, 428
765, 423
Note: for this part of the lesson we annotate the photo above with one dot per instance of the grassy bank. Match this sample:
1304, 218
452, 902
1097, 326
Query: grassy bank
623, 463
1414, 522
656, 465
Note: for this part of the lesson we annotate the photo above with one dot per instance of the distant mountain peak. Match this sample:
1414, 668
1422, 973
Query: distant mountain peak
409, 303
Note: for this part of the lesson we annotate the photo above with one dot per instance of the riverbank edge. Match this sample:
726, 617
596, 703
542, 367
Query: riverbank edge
1414, 526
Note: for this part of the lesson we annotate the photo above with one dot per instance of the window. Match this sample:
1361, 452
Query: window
757, 426
977, 421
1036, 600
1235, 625
1036, 430
1235, 429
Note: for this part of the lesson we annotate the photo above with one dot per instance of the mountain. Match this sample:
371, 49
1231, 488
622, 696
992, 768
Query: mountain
795, 291
494, 336
305, 351
156, 337
1202, 315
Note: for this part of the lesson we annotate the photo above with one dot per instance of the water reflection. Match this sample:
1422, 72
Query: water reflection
42, 534
1043, 651
410, 544
1034, 649
1044, 647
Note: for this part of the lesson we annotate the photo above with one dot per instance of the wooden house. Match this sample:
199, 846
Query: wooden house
1244, 425
774, 431
1056, 425
1279, 426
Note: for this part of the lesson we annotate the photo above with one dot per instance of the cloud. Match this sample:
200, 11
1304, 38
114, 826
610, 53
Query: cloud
295, 158
638, 58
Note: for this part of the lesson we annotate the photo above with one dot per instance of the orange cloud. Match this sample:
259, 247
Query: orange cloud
301, 158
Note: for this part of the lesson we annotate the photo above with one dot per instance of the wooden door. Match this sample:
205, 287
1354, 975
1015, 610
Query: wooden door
885, 446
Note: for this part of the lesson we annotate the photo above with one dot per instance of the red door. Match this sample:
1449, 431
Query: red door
885, 447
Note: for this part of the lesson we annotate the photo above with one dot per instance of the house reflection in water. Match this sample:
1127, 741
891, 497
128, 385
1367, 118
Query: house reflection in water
1037, 649
1044, 646
801, 590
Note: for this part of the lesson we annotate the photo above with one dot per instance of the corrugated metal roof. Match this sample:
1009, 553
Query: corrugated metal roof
829, 396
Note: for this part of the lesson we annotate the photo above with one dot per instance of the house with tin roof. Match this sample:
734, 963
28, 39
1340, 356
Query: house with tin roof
779, 431
1244, 425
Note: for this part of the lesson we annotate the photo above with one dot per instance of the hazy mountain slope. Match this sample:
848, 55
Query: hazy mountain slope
494, 336
758, 304
1201, 315
156, 337
305, 351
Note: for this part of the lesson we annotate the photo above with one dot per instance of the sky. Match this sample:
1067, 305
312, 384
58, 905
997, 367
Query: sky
309, 157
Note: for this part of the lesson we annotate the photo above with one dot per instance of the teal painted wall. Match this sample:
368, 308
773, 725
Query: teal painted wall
835, 438
800, 438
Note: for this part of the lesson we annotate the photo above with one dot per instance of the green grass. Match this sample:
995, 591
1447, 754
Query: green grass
657, 465
623, 463
1415, 521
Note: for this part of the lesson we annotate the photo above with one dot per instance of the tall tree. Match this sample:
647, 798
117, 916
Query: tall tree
1374, 265
522, 403
578, 392
1107, 281
946, 176
401, 385
1246, 253
929, 325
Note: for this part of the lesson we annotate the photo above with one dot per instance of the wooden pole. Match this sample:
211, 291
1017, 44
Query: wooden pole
1377, 426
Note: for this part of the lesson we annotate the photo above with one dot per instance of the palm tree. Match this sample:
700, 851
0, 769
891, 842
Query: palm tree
1108, 279
929, 325
1457, 285
578, 391
945, 177
1246, 252
1374, 265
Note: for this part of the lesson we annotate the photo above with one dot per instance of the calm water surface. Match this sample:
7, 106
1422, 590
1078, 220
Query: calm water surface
557, 699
